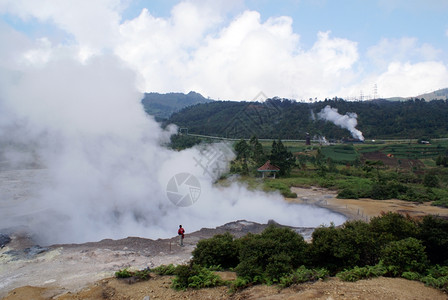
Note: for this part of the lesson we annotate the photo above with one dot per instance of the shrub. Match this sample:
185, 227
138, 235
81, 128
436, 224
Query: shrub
302, 274
433, 231
431, 180
165, 270
196, 277
348, 194
411, 276
407, 255
382, 191
339, 248
219, 250
270, 255
357, 245
392, 227
239, 284
358, 273
438, 283
324, 247
144, 274
125, 273
278, 266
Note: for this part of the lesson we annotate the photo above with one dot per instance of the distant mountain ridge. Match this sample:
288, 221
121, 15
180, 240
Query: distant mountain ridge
162, 106
441, 94
287, 119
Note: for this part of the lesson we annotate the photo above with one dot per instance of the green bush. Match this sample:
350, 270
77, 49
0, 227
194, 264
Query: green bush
195, 277
278, 265
219, 250
301, 275
270, 255
323, 249
165, 270
144, 274
431, 180
433, 232
438, 283
438, 271
345, 247
348, 194
239, 284
407, 255
357, 245
358, 273
125, 273
392, 227
389, 190
412, 276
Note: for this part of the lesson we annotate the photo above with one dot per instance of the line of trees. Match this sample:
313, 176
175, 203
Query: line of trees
250, 156
286, 119
390, 245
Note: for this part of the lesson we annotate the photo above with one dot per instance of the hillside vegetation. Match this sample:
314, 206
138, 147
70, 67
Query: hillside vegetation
161, 106
286, 119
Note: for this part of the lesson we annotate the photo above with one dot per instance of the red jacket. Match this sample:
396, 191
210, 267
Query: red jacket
181, 232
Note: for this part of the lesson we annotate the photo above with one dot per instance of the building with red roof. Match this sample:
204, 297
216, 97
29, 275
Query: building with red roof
268, 167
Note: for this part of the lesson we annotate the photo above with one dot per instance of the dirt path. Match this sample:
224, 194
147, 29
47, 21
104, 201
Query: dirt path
158, 287
362, 209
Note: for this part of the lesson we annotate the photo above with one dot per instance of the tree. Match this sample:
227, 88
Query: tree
407, 255
433, 231
257, 153
242, 150
268, 256
392, 227
442, 161
281, 157
430, 180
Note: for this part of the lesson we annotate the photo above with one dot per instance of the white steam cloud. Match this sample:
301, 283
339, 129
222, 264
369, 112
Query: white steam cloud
347, 121
105, 172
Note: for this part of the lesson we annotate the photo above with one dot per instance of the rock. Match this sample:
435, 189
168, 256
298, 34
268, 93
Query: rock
4, 239
146, 298
34, 250
27, 253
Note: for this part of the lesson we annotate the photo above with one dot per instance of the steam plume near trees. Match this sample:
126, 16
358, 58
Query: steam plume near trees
106, 171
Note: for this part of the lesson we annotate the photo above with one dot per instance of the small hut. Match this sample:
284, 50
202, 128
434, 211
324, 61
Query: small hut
268, 167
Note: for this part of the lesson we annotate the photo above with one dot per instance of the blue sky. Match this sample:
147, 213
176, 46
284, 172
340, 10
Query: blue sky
364, 21
233, 49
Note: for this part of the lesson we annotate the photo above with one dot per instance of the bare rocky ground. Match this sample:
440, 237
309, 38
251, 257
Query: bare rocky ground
70, 267
85, 271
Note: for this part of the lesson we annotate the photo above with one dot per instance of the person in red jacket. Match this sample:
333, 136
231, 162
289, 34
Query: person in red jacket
181, 233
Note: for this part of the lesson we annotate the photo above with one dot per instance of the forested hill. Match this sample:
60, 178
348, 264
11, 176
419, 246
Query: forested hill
161, 106
286, 119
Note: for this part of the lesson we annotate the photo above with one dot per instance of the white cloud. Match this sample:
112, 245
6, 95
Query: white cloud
243, 58
93, 24
401, 79
403, 49
407, 80
197, 47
